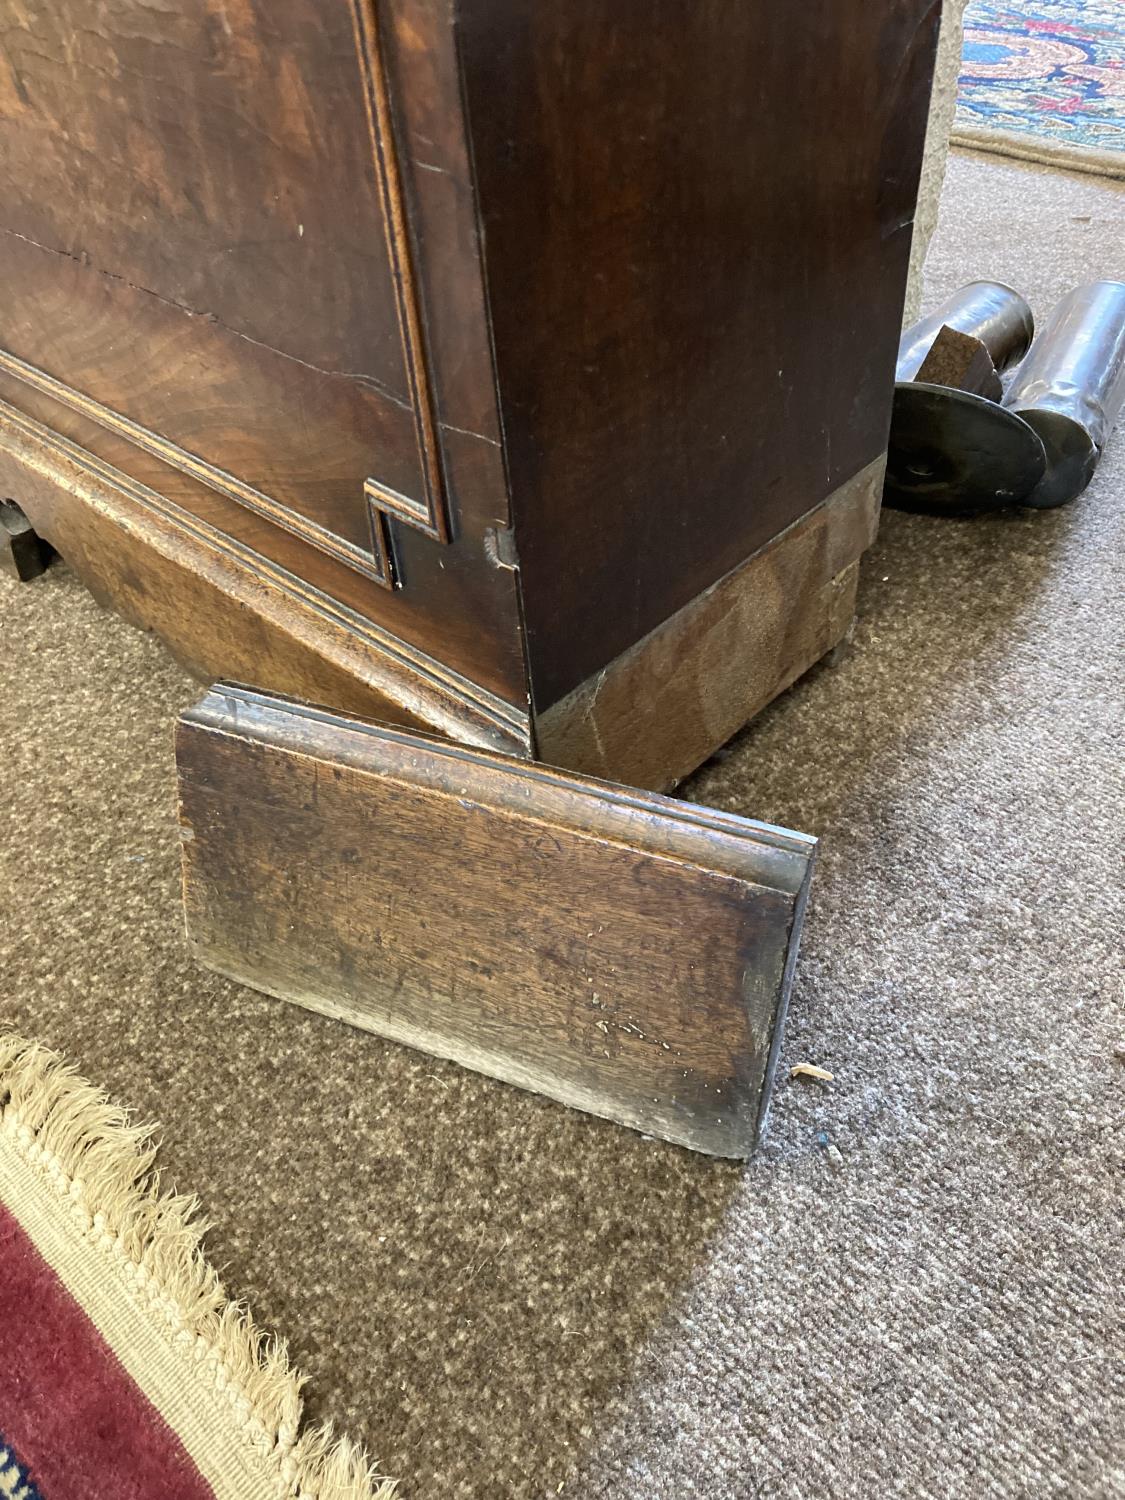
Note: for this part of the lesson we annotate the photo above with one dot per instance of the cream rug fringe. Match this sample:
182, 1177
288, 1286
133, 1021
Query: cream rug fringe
1038, 148
68, 1150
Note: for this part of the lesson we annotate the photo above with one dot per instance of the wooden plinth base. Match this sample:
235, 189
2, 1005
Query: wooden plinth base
658, 711
647, 719
619, 951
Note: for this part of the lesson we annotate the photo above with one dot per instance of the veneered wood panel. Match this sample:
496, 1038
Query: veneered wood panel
620, 951
303, 441
659, 709
216, 244
213, 153
271, 250
697, 219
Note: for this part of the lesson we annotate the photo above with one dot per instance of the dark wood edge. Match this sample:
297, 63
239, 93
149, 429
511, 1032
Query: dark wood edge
781, 1011
432, 514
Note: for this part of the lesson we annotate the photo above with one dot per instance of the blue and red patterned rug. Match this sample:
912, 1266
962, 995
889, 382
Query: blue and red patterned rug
1045, 79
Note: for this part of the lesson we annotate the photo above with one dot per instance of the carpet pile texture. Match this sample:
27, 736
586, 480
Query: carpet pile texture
917, 1287
126, 1373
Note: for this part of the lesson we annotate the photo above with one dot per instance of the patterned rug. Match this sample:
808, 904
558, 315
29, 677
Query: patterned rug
1045, 80
125, 1371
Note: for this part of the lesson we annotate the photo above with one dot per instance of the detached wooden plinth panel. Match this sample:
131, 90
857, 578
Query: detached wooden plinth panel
620, 951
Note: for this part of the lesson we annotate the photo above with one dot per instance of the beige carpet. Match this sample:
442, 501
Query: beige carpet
916, 1288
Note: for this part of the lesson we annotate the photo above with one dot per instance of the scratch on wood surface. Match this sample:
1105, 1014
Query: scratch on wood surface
83, 260
468, 432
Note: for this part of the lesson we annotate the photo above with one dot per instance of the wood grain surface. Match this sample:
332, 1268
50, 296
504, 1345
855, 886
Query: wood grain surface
619, 951
697, 221
657, 711
243, 238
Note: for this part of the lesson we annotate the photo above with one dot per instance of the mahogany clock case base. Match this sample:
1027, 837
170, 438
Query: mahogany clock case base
518, 372
647, 719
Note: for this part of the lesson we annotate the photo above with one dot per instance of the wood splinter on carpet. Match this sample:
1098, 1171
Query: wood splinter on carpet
93, 1245
835, 1159
810, 1070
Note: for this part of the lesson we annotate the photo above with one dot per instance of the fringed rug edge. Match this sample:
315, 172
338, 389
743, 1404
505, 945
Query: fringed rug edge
75, 1164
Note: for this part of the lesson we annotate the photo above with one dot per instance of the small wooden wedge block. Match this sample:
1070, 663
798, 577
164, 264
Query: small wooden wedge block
961, 362
620, 951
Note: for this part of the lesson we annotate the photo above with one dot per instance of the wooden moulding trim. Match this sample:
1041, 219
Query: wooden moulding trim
619, 951
374, 564
431, 514
434, 695
742, 847
662, 707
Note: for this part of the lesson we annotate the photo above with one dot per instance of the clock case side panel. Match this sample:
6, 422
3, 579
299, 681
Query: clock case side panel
695, 292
